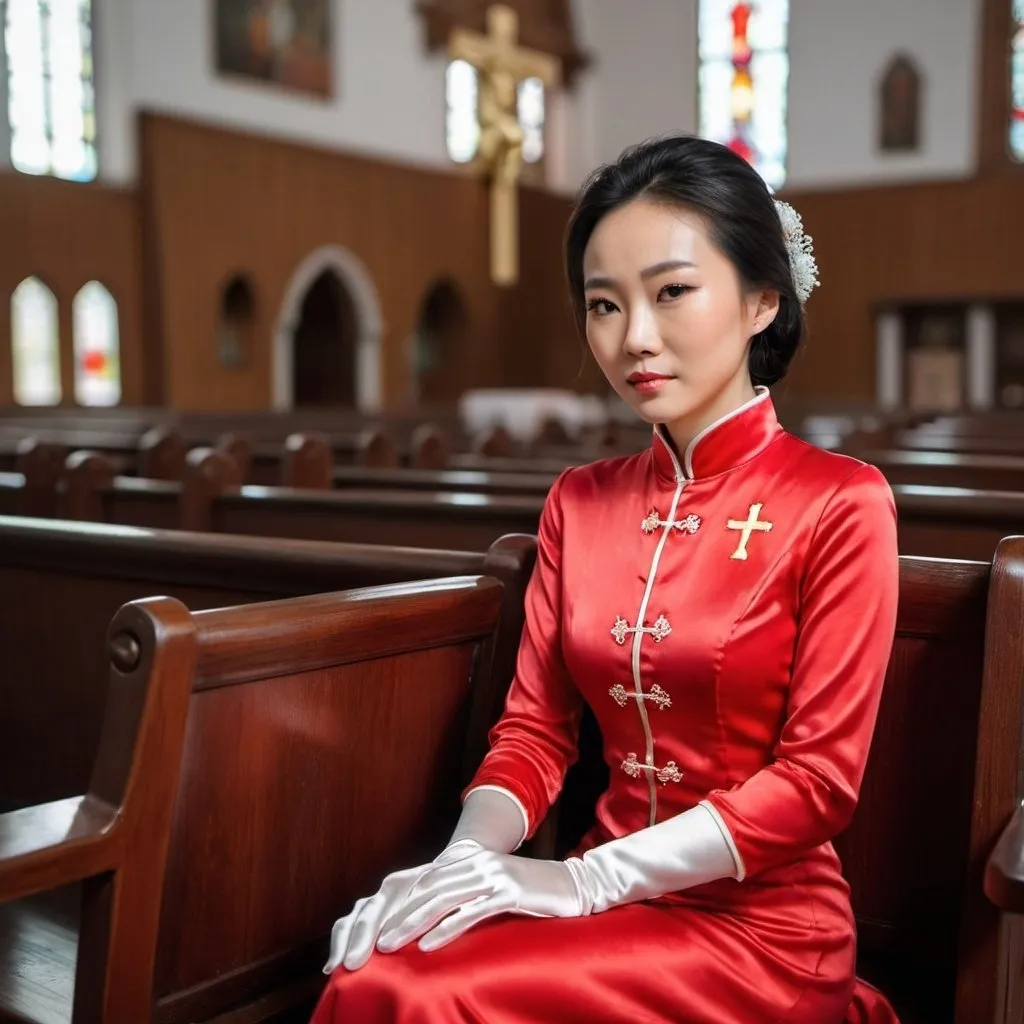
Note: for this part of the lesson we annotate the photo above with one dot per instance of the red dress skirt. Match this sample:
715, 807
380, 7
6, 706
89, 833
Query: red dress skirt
683, 959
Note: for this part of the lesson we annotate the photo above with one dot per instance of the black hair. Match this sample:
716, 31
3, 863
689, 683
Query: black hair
720, 186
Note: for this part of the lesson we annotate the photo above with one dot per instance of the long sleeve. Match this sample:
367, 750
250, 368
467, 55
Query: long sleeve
534, 742
845, 631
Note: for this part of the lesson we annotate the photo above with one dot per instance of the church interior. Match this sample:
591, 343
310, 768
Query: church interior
288, 366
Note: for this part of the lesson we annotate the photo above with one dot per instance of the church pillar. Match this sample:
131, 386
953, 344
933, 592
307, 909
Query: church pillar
981, 356
889, 359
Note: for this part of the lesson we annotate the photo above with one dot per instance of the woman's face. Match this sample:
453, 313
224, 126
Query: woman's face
668, 319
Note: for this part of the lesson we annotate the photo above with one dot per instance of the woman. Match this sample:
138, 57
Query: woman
725, 602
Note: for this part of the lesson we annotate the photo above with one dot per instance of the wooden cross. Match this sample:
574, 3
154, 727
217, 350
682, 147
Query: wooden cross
501, 65
748, 526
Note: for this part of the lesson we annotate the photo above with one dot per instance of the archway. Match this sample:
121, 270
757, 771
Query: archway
236, 322
328, 335
324, 345
439, 345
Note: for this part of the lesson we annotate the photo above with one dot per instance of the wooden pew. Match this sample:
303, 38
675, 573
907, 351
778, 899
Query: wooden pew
941, 789
308, 464
475, 481
260, 768
60, 584
453, 519
12, 494
369, 447
30, 489
211, 501
951, 522
939, 823
981, 444
939, 522
949, 469
159, 454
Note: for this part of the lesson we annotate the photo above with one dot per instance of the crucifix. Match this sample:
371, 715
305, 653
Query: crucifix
748, 526
501, 65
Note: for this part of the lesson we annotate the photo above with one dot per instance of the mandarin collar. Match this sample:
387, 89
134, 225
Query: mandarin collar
730, 441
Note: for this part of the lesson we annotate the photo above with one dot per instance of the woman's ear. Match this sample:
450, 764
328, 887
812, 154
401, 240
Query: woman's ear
764, 307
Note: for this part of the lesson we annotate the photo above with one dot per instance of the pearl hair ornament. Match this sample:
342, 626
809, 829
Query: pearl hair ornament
801, 253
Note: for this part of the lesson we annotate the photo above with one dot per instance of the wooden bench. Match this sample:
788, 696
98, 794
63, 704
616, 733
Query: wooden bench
934, 521
941, 789
938, 825
309, 464
210, 500
949, 469
921, 440
260, 768
60, 584
952, 522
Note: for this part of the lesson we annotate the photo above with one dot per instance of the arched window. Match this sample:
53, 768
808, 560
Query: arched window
463, 122
744, 76
530, 109
463, 126
50, 95
97, 346
35, 344
1017, 82
237, 322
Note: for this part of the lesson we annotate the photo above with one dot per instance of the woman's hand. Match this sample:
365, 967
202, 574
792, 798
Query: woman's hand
447, 900
354, 936
492, 818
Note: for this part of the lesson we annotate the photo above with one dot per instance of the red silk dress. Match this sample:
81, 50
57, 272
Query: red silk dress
728, 615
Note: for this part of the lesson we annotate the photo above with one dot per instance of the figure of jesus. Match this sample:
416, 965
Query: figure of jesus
501, 65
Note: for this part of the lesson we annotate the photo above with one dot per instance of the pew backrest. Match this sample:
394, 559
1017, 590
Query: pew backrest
311, 722
260, 768
942, 782
60, 584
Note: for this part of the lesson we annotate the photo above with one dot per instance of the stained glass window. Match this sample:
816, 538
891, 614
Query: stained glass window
35, 344
50, 96
97, 346
744, 76
463, 122
1017, 82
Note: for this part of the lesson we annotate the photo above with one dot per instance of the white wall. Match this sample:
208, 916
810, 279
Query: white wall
645, 83
838, 50
389, 94
643, 80
389, 98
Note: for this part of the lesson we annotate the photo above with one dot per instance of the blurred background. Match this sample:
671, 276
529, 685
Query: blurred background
272, 204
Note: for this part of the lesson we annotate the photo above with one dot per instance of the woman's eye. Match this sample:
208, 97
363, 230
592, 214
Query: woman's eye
601, 307
674, 291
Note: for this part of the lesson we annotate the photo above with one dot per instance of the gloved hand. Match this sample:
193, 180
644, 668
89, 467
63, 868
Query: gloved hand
491, 819
447, 900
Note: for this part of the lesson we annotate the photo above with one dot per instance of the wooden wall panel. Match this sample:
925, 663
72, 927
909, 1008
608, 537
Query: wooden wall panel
213, 202
221, 202
69, 233
945, 240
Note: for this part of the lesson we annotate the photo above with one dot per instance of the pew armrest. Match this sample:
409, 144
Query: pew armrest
54, 844
1004, 870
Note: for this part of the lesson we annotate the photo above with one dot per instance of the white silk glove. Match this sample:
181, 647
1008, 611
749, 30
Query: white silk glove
447, 900
690, 849
491, 819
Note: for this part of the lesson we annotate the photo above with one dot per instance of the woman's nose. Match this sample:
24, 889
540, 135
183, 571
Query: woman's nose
642, 336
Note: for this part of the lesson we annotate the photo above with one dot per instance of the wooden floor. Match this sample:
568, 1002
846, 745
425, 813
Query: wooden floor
38, 946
